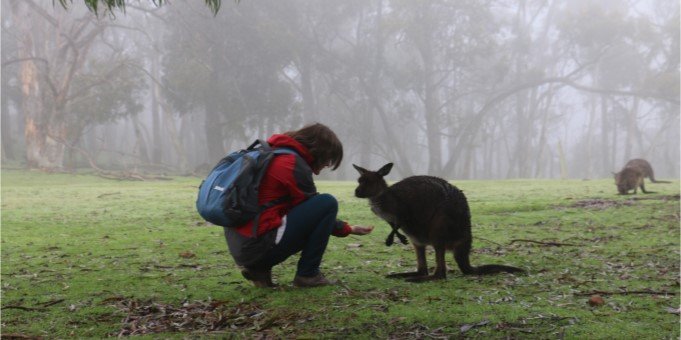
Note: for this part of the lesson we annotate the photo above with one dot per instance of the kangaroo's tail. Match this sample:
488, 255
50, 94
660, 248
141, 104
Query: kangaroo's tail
652, 178
462, 257
495, 268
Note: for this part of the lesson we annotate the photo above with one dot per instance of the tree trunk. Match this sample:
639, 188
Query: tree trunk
563, 162
430, 100
309, 105
175, 138
7, 152
541, 144
45, 146
213, 132
141, 143
629, 139
156, 150
605, 129
42, 150
373, 88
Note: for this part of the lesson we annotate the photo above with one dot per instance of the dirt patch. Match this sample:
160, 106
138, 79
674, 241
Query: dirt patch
662, 198
600, 204
148, 317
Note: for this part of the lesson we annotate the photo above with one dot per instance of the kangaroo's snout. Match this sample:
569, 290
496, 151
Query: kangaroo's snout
359, 193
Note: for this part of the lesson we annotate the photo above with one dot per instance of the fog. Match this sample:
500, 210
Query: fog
465, 89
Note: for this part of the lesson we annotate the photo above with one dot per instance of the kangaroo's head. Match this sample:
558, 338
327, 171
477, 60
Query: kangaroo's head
620, 182
371, 183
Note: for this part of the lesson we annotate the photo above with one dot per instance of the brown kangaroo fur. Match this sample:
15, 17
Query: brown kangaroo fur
632, 175
430, 211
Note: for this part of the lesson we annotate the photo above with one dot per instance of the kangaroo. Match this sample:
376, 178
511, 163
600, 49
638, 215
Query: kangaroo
645, 168
430, 211
632, 175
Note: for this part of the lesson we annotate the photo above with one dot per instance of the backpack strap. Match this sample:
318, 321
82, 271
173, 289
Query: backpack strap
277, 151
266, 146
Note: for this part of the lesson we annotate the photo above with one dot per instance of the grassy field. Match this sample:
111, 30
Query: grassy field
88, 257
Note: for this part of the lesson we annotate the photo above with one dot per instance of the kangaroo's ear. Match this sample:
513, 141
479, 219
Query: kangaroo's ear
360, 169
385, 169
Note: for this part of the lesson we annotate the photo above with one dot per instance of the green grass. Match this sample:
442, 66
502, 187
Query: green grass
84, 256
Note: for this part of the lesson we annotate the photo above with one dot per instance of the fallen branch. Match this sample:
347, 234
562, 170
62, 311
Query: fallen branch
53, 302
35, 309
20, 336
624, 292
555, 244
123, 175
24, 308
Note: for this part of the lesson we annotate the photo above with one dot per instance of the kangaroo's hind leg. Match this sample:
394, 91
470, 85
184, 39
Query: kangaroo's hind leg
422, 267
440, 269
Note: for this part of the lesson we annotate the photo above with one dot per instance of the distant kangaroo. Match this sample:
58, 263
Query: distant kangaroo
632, 175
430, 211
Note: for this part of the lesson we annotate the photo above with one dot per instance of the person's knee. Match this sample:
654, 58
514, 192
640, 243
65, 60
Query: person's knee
327, 202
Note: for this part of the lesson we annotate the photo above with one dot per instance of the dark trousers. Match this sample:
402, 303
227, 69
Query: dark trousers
308, 227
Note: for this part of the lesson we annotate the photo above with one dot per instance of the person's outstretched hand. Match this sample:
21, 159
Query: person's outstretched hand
360, 230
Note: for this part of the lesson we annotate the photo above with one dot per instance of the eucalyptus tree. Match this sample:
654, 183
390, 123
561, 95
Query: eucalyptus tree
228, 67
636, 69
441, 44
349, 84
11, 92
66, 84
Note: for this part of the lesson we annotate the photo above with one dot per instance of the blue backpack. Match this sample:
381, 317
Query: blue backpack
228, 197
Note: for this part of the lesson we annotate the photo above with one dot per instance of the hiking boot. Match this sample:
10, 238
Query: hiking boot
260, 278
312, 281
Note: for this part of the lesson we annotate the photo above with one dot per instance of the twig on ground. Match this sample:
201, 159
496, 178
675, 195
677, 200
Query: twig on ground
20, 336
555, 244
624, 292
53, 302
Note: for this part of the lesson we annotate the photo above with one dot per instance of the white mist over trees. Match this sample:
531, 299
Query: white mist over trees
460, 89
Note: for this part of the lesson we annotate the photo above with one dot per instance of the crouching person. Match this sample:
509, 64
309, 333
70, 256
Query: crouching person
300, 220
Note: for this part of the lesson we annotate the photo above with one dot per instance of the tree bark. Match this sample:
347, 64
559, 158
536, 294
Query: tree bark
7, 152
156, 144
430, 100
42, 150
309, 104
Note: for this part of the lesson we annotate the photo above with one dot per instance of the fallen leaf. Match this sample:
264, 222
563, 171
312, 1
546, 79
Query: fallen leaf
673, 310
187, 254
467, 327
596, 300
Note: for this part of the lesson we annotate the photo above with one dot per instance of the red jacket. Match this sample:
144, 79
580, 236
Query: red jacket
287, 175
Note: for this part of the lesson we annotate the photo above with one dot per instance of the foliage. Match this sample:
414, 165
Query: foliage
94, 5
486, 91
234, 75
118, 93
88, 258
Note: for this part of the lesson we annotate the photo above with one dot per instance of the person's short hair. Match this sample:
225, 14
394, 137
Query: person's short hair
322, 143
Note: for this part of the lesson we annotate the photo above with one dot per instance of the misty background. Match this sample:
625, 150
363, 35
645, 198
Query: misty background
465, 89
